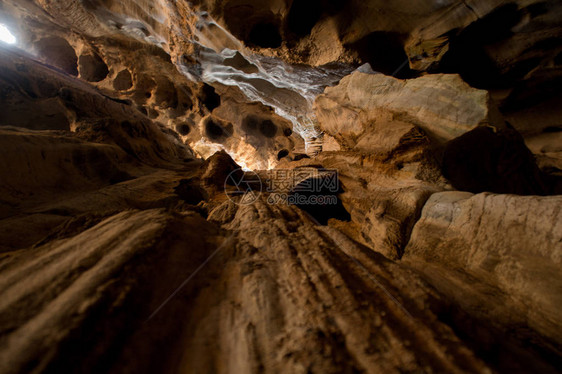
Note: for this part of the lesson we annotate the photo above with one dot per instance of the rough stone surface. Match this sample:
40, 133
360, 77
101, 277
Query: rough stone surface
125, 247
442, 105
504, 250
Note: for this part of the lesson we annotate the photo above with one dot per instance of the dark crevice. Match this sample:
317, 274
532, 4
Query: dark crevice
552, 129
58, 52
467, 54
537, 9
123, 81
216, 131
282, 153
384, 51
490, 160
190, 191
183, 129
265, 35
303, 15
513, 352
92, 68
300, 156
256, 126
319, 197
210, 99
268, 129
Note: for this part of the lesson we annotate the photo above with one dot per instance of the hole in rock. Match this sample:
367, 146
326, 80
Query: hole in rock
210, 99
215, 131
183, 129
303, 15
300, 156
467, 54
92, 68
268, 128
123, 81
143, 88
265, 35
256, 126
484, 160
190, 191
185, 102
551, 129
6, 36
166, 94
59, 53
250, 125
537, 9
282, 153
320, 201
384, 51
287, 132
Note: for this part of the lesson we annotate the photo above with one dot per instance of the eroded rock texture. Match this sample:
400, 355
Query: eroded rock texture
502, 271
140, 232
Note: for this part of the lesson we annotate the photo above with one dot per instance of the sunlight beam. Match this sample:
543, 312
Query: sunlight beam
6, 36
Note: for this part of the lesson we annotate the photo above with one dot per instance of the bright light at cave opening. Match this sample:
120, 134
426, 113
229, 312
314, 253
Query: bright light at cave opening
6, 36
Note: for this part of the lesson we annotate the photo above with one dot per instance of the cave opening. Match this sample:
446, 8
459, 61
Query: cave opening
250, 125
497, 161
217, 131
303, 15
210, 99
58, 52
190, 191
282, 153
123, 80
214, 130
265, 35
268, 128
467, 53
92, 68
6, 36
322, 202
183, 129
384, 51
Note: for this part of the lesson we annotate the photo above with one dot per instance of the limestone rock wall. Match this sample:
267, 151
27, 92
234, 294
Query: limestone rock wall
121, 250
442, 105
503, 249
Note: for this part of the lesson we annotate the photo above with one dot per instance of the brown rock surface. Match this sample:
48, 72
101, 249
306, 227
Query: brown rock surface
442, 105
121, 251
503, 251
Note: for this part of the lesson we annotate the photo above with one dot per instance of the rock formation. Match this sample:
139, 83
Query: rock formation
281, 186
